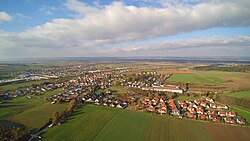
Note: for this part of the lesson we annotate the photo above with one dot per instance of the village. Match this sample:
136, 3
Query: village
94, 87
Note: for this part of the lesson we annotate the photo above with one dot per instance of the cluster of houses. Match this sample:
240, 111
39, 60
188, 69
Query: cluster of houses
80, 87
143, 79
204, 109
30, 91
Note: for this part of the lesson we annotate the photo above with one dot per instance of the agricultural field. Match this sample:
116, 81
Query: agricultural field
242, 111
228, 80
199, 77
242, 94
85, 124
96, 123
126, 125
32, 113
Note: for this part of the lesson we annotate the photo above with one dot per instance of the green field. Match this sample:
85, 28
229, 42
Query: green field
242, 94
242, 112
109, 124
199, 77
32, 113
186, 98
134, 127
85, 124
118, 89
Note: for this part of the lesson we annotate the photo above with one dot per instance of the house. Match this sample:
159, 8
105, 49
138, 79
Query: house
190, 115
184, 105
161, 100
162, 110
195, 106
112, 105
119, 106
230, 114
241, 121
167, 88
198, 102
214, 106
190, 107
203, 104
229, 120
211, 112
192, 111
222, 107
203, 116
150, 109
175, 112
212, 117
200, 111
208, 99
221, 113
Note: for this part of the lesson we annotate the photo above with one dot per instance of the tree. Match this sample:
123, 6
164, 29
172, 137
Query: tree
55, 117
63, 115
72, 105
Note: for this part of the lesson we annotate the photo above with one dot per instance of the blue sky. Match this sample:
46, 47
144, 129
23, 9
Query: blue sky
61, 28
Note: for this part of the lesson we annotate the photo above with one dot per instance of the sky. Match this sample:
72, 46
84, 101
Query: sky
124, 28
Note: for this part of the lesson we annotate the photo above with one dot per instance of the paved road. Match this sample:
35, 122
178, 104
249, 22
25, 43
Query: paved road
33, 136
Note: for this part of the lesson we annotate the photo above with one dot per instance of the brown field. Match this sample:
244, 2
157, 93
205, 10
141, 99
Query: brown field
228, 132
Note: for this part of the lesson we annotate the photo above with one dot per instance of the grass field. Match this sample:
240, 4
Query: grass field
166, 128
32, 113
242, 94
127, 125
118, 89
215, 77
109, 124
242, 111
85, 124
186, 98
199, 77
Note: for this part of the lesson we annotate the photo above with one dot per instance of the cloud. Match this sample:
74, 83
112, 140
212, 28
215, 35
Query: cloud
95, 27
4, 17
48, 10
81, 8
118, 22
232, 43
210, 46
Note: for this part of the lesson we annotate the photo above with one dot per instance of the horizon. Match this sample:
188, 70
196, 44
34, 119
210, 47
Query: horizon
123, 28
186, 59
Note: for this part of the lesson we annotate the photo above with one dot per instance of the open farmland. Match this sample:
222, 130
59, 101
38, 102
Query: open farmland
32, 113
85, 124
127, 125
199, 77
243, 112
213, 80
243, 94
108, 124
